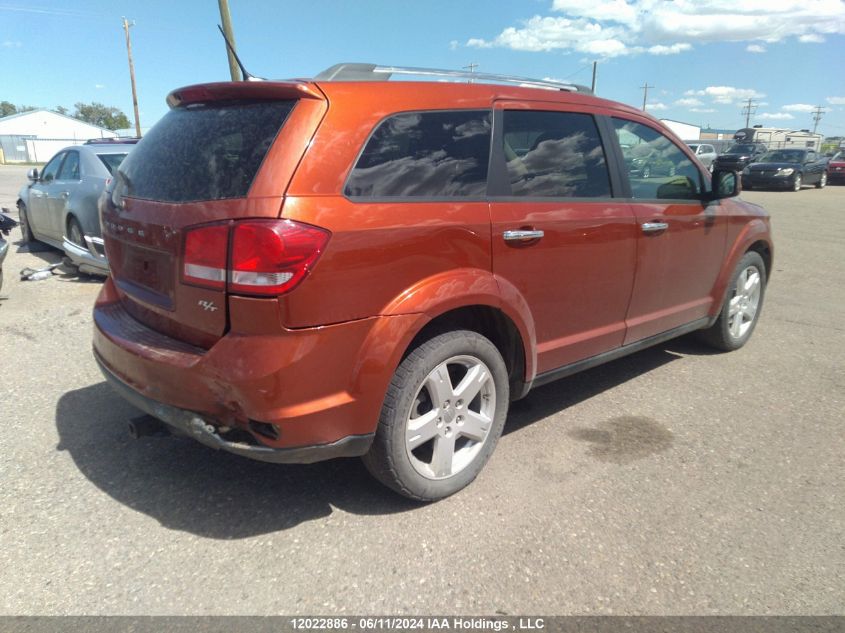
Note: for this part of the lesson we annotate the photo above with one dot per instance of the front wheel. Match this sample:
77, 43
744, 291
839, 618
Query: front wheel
742, 305
26, 230
74, 232
796, 182
822, 181
442, 416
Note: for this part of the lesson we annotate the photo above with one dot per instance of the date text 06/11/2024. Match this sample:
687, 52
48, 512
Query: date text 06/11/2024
418, 623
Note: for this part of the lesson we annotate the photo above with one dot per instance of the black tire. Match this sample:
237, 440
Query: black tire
393, 461
797, 182
822, 181
26, 230
720, 334
75, 233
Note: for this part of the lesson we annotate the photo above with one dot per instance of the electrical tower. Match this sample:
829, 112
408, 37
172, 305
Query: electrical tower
748, 109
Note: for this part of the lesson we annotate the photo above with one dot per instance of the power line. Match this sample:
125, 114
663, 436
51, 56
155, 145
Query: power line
748, 109
817, 116
645, 88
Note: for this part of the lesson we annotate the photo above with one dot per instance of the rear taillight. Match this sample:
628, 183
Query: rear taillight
265, 257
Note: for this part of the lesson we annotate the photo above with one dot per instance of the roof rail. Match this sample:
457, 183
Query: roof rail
374, 72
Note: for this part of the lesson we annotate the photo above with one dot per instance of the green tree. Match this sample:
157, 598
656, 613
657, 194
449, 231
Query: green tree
7, 108
98, 114
60, 109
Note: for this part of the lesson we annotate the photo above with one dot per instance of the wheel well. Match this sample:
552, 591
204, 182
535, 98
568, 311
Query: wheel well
489, 322
762, 249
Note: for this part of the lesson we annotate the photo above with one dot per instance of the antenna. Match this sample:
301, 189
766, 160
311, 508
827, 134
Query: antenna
246, 74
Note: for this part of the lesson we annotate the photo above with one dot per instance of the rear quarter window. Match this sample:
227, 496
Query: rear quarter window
440, 154
203, 151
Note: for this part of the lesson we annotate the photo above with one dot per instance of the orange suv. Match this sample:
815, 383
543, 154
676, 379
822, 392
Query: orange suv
351, 266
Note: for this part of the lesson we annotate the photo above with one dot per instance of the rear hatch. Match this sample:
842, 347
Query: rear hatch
223, 153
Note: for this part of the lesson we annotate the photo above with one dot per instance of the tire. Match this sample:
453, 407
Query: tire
430, 442
74, 232
646, 171
743, 303
26, 230
822, 181
796, 182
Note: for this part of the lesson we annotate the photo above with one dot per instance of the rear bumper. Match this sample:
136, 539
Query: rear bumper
189, 423
88, 260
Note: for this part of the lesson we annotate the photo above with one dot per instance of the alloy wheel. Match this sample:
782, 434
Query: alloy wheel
745, 302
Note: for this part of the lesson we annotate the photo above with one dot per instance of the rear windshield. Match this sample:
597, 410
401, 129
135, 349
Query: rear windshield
204, 151
740, 149
111, 161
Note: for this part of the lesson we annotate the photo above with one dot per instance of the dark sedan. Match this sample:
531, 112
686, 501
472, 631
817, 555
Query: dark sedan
738, 156
786, 169
836, 169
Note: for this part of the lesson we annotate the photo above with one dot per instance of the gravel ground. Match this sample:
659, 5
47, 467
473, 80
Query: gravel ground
675, 481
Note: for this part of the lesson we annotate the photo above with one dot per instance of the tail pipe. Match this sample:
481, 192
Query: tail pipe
145, 426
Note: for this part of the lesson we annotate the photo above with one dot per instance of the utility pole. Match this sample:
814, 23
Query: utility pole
234, 71
126, 26
645, 88
471, 68
593, 86
748, 109
817, 116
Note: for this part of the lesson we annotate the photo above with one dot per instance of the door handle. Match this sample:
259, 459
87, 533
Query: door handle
522, 235
654, 227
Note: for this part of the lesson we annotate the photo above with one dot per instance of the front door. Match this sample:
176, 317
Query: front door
38, 207
559, 237
681, 238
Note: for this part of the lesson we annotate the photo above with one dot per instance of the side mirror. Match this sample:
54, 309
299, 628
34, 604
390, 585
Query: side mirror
726, 184
32, 174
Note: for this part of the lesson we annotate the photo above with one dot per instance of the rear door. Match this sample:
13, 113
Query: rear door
223, 152
61, 190
559, 236
681, 239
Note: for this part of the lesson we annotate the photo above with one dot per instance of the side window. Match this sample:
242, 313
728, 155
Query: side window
48, 174
425, 155
70, 168
554, 155
657, 168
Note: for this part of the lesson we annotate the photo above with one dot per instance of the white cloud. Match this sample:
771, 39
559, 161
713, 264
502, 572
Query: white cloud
726, 95
609, 28
12, 44
688, 102
453, 45
99, 86
674, 49
798, 107
702, 110
775, 116
656, 106
836, 100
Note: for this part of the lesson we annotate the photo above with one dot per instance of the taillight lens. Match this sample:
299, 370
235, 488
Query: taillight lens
206, 249
267, 257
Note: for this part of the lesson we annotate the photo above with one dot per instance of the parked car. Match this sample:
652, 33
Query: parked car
643, 161
786, 169
59, 205
344, 266
705, 153
738, 156
836, 168
7, 223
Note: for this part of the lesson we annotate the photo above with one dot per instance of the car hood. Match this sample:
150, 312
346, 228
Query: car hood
771, 166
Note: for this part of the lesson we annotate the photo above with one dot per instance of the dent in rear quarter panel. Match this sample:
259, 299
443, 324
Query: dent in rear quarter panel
747, 224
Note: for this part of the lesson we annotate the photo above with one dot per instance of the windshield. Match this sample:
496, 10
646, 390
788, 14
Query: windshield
693, 147
111, 161
204, 151
740, 149
783, 156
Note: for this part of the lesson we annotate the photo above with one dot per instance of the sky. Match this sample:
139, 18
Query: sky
704, 58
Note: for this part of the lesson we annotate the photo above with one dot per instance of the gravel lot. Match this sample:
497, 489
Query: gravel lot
675, 481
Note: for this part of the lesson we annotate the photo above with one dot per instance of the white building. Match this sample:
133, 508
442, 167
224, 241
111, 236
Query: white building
36, 135
684, 131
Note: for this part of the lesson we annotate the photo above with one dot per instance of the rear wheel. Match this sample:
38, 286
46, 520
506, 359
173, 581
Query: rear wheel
442, 416
822, 181
742, 306
796, 182
23, 218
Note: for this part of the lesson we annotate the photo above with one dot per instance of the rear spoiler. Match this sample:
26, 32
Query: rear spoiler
224, 91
